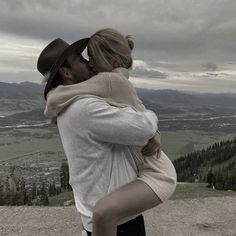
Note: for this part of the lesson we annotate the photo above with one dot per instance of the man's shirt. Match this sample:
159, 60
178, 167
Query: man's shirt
96, 138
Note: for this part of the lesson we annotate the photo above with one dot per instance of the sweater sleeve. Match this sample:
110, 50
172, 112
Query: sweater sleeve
119, 125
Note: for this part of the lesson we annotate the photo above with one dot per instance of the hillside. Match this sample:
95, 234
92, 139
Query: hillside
206, 217
176, 102
15, 96
215, 165
176, 110
21, 91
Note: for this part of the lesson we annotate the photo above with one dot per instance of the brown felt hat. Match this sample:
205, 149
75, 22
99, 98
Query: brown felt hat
53, 56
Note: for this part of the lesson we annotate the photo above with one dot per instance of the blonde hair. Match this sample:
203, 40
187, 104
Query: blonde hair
110, 49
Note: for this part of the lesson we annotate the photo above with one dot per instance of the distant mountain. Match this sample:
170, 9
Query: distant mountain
161, 99
25, 90
168, 101
166, 97
28, 98
28, 117
15, 98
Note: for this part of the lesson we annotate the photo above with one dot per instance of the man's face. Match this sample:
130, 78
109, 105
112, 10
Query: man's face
79, 69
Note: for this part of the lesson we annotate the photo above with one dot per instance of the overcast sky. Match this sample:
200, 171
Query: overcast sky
179, 44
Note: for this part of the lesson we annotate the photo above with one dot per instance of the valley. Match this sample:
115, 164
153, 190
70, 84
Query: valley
31, 145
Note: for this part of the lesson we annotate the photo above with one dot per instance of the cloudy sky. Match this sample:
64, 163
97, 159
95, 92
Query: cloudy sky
179, 44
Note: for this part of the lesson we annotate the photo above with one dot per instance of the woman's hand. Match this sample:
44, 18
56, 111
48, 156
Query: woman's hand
153, 146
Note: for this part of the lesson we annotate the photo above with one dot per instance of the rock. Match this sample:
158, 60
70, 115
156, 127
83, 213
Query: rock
68, 203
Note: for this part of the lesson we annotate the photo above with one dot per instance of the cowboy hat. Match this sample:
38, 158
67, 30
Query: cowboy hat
53, 56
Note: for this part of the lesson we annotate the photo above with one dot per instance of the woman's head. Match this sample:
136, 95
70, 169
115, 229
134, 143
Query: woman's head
109, 49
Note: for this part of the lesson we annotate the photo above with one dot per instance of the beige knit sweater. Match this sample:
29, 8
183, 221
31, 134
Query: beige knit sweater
113, 87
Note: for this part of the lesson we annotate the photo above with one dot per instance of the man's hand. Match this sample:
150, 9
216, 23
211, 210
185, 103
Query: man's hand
153, 146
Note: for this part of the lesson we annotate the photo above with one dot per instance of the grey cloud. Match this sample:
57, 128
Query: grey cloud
147, 73
167, 66
222, 75
168, 30
210, 66
156, 64
213, 74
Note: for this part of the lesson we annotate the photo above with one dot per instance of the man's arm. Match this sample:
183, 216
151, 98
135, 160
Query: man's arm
119, 125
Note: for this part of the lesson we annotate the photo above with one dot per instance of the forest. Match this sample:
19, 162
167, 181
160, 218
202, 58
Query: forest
215, 165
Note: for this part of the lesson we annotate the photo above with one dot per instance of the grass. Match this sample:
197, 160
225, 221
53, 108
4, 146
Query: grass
17, 143
198, 190
59, 200
183, 191
14, 144
178, 143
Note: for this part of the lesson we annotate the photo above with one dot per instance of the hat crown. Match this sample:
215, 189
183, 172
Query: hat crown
50, 55
52, 58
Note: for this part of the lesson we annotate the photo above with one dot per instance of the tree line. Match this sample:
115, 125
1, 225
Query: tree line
14, 191
214, 165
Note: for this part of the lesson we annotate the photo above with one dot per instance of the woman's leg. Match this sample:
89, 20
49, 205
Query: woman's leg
130, 199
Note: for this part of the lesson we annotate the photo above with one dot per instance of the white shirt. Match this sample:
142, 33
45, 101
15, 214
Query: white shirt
96, 139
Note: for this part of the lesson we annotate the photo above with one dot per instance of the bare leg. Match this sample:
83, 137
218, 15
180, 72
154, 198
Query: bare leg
130, 199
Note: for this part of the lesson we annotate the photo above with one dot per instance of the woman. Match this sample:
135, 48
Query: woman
110, 56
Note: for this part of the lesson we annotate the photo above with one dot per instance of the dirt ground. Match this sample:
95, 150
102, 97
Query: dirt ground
213, 216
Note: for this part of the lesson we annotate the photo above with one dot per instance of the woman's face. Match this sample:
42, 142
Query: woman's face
94, 67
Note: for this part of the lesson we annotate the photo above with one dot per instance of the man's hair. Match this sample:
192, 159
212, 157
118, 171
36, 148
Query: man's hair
110, 49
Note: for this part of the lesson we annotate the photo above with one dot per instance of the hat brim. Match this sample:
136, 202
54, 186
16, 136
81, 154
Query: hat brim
77, 47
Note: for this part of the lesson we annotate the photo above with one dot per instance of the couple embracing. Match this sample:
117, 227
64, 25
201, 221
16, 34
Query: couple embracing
111, 141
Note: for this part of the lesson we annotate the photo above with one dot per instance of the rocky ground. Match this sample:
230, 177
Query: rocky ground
213, 216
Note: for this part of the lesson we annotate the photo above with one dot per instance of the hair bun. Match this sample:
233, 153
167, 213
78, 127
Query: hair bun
130, 42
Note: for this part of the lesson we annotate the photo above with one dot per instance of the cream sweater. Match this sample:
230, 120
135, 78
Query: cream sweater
113, 87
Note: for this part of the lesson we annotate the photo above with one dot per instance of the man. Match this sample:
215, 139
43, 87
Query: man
95, 136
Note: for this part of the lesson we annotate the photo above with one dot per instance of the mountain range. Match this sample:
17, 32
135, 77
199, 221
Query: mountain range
25, 102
